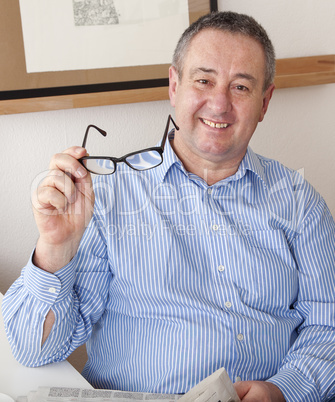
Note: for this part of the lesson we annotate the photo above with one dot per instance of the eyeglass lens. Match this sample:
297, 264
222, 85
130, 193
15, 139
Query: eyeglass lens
99, 165
144, 160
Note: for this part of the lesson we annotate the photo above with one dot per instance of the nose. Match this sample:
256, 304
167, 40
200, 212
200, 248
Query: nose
220, 100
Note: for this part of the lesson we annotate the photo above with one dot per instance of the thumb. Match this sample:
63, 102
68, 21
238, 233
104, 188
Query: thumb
76, 152
79, 171
242, 388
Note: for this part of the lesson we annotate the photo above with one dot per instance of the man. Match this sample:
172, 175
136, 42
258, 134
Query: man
216, 257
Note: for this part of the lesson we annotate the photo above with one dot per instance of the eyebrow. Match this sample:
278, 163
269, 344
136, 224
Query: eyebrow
246, 76
203, 70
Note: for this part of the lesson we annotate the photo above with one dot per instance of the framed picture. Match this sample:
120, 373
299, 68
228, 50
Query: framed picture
40, 71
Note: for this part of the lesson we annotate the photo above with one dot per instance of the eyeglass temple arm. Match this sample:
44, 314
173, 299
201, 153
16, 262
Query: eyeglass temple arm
101, 131
167, 129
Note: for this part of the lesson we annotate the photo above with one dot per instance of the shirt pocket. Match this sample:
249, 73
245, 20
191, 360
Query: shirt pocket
272, 270
267, 239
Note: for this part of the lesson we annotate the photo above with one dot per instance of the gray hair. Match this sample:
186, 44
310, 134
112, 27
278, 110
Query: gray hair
232, 22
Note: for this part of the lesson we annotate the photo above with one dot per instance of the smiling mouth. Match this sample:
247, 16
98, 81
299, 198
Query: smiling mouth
214, 125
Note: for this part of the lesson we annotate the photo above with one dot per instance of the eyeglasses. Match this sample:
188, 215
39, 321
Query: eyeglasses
144, 159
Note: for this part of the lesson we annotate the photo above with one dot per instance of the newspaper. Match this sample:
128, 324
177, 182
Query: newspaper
57, 394
215, 388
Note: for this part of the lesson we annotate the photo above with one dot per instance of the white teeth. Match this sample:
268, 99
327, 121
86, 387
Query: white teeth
215, 125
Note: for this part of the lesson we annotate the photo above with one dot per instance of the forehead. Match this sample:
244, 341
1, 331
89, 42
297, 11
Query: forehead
222, 48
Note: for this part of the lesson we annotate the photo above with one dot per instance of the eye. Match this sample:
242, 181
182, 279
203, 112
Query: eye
203, 81
242, 88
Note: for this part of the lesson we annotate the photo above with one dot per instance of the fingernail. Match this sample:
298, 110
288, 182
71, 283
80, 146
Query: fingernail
81, 172
78, 150
73, 198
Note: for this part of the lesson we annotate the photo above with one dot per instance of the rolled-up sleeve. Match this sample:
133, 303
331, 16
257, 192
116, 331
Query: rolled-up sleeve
76, 304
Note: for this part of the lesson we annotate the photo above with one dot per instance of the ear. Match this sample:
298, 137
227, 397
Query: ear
173, 84
266, 100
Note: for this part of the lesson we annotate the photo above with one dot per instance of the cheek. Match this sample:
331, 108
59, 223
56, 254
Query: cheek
249, 112
187, 94
190, 102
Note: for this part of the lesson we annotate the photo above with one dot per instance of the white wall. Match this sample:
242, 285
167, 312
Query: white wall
298, 130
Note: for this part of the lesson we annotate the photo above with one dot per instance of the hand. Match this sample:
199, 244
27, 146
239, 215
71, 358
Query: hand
63, 206
258, 391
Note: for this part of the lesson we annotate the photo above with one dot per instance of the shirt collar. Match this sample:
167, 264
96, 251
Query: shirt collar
169, 159
249, 162
252, 163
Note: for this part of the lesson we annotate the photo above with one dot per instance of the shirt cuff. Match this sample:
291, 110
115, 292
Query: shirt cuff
295, 386
48, 287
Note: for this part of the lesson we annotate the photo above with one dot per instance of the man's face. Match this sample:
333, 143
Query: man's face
219, 99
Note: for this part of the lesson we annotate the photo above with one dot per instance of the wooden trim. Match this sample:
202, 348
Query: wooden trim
83, 100
305, 71
292, 72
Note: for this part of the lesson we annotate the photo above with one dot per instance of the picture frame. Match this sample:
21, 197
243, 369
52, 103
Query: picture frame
29, 92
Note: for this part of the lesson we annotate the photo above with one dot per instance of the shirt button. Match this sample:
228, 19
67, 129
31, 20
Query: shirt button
215, 227
221, 268
228, 305
240, 337
52, 290
209, 191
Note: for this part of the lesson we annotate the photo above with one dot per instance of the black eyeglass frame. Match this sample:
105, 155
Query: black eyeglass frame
159, 149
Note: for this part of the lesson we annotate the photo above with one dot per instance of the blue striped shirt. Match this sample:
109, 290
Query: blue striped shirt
175, 279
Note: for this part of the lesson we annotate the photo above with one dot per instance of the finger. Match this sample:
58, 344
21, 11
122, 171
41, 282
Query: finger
63, 183
65, 193
69, 164
49, 201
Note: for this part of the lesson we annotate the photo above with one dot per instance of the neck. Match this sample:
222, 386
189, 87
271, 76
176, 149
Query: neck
209, 170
